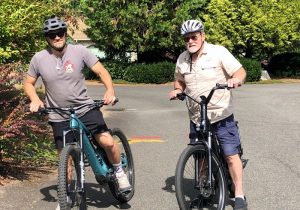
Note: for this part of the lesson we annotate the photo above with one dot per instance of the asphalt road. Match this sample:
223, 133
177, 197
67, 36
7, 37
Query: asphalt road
269, 122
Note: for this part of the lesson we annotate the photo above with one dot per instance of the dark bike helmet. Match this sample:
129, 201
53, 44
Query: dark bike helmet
190, 26
53, 24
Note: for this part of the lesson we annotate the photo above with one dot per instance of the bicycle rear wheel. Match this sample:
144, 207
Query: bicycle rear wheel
192, 191
70, 192
128, 167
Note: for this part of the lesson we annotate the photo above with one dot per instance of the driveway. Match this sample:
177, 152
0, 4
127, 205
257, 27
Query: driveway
269, 122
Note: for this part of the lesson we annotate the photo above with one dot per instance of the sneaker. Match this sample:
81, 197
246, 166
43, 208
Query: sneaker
57, 207
240, 204
123, 182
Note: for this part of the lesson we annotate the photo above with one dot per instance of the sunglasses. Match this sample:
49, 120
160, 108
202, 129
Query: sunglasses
60, 34
194, 38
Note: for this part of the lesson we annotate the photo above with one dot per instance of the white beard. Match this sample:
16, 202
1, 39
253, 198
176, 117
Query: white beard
193, 49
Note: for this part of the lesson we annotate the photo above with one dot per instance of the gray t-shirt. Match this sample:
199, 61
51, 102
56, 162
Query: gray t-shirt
63, 77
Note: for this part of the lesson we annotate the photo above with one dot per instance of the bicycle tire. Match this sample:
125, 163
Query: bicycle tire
125, 150
67, 192
188, 196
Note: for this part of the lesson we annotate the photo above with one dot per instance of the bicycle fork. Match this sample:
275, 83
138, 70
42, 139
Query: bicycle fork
209, 182
203, 170
81, 165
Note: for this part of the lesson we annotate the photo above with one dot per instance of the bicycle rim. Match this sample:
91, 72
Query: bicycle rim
128, 166
191, 181
69, 191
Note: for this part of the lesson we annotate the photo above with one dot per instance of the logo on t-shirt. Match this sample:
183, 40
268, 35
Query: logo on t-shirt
69, 67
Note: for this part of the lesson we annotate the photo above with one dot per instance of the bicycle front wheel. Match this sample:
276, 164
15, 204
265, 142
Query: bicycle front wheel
70, 193
191, 180
128, 166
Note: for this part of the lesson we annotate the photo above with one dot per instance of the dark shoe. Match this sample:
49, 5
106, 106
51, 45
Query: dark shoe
240, 204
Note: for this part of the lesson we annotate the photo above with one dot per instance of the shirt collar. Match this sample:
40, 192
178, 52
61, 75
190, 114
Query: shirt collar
205, 48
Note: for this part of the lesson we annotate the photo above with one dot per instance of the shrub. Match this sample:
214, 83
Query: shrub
157, 73
116, 69
23, 136
285, 65
253, 69
90, 75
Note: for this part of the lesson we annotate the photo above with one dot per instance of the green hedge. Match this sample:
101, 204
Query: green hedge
253, 69
90, 75
157, 73
114, 67
285, 65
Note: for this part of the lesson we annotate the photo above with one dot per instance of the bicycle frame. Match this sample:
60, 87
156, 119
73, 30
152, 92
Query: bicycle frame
95, 155
205, 128
207, 141
84, 145
95, 159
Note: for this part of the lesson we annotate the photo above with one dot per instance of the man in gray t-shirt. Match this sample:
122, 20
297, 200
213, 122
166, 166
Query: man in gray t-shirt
61, 68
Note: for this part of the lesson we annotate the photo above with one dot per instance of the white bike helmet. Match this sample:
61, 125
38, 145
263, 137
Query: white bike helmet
54, 23
190, 26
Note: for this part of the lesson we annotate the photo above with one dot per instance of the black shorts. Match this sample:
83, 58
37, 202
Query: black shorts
93, 120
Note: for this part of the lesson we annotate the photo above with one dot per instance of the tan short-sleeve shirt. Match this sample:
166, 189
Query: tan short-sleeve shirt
215, 65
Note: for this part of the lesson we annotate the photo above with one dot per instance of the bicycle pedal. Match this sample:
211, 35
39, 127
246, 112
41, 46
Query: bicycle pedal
101, 179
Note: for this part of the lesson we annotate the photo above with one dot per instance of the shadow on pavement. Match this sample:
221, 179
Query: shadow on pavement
96, 196
170, 187
170, 184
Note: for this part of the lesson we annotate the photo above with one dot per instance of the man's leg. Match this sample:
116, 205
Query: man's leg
228, 136
236, 172
106, 141
93, 119
112, 151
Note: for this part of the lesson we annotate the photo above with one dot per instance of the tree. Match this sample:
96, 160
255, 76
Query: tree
118, 26
23, 137
21, 24
254, 28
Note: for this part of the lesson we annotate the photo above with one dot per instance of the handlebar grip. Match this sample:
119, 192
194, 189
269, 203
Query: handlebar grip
116, 101
43, 110
100, 102
222, 86
180, 96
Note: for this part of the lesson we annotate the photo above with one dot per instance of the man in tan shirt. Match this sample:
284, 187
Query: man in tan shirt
198, 69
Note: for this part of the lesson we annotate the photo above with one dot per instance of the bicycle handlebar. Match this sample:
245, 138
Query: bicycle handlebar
203, 104
73, 109
205, 100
